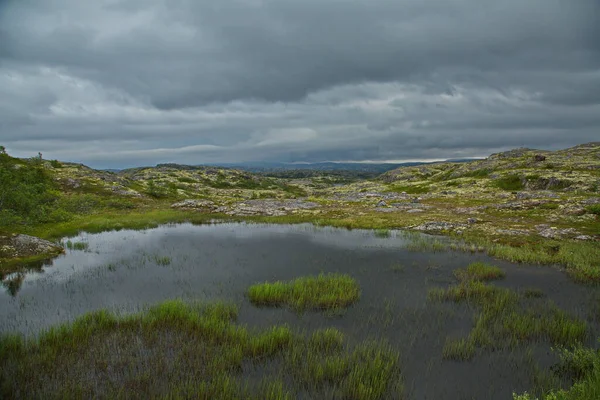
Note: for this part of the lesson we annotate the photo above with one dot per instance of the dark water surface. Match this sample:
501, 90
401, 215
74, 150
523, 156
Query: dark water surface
128, 270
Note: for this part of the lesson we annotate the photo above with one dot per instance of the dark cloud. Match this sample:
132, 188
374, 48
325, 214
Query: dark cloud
125, 82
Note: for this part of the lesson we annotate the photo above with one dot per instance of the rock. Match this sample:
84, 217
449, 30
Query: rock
72, 183
591, 200
583, 237
438, 226
27, 246
194, 204
382, 204
415, 210
539, 157
472, 220
123, 191
551, 232
268, 207
511, 232
575, 211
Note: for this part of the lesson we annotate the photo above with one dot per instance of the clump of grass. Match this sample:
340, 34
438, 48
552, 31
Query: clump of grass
479, 271
82, 246
593, 209
582, 365
162, 260
533, 293
458, 349
509, 182
382, 233
503, 321
327, 340
179, 350
322, 292
397, 268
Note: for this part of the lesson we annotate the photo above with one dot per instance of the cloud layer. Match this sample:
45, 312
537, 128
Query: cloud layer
120, 83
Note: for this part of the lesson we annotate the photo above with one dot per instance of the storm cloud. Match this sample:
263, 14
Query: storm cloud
122, 83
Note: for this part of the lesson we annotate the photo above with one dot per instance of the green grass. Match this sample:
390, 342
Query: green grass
504, 319
322, 292
179, 350
509, 182
162, 260
77, 245
458, 349
410, 189
593, 209
479, 271
579, 258
582, 366
382, 233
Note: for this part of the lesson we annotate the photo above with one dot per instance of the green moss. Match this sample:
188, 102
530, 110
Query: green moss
323, 292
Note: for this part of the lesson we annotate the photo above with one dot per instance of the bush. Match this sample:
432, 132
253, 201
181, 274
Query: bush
509, 182
27, 192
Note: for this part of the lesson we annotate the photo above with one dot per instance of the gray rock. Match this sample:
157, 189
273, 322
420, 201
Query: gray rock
382, 204
26, 246
194, 204
439, 226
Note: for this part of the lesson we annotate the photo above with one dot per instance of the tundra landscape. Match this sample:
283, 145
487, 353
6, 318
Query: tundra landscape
300, 199
487, 265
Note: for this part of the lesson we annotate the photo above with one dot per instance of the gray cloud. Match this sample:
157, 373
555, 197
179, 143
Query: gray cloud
119, 83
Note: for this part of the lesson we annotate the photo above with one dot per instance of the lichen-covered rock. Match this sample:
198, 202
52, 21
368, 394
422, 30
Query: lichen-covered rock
194, 204
439, 227
18, 246
269, 207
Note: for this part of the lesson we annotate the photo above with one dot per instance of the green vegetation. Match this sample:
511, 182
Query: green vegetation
582, 366
382, 233
322, 292
162, 260
27, 192
509, 182
198, 352
479, 271
77, 245
505, 318
458, 349
410, 189
594, 209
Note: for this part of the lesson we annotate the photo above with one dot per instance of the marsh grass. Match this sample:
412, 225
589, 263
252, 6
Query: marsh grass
382, 233
580, 259
82, 246
323, 292
177, 350
479, 271
458, 349
161, 260
505, 318
582, 366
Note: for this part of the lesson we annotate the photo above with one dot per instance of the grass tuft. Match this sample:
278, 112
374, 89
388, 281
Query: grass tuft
322, 292
479, 271
198, 351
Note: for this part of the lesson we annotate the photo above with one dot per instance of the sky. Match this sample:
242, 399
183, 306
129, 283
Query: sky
122, 83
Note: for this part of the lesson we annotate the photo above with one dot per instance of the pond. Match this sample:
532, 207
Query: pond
126, 271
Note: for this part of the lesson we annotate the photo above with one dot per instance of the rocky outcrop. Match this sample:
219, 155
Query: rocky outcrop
194, 204
268, 207
19, 246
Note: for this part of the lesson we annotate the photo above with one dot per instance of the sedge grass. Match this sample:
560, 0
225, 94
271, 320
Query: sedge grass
323, 292
177, 350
